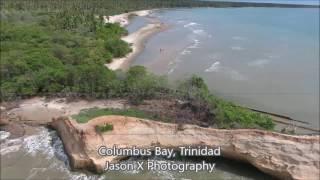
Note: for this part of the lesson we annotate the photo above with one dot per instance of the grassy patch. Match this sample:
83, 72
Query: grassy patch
88, 114
104, 128
231, 116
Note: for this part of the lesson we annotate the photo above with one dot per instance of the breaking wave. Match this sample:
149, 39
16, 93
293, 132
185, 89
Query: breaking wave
214, 67
185, 52
4, 135
8, 145
233, 74
198, 31
173, 66
48, 143
45, 142
195, 44
190, 24
40, 143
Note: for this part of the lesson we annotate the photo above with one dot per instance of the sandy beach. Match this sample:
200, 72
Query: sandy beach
136, 39
124, 19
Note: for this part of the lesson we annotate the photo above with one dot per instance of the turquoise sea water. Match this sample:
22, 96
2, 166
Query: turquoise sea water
263, 58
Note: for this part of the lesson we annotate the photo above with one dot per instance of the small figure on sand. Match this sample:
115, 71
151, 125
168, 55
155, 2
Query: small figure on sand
161, 50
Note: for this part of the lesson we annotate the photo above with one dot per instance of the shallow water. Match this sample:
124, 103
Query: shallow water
41, 156
263, 58
137, 24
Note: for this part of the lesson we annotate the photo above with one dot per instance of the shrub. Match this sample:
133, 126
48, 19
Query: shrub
142, 85
117, 47
226, 114
104, 128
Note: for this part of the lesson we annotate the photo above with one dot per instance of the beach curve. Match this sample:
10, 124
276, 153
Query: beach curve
135, 39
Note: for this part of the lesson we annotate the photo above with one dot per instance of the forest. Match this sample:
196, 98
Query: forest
58, 48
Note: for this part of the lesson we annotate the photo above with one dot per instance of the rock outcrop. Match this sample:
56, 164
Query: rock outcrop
282, 156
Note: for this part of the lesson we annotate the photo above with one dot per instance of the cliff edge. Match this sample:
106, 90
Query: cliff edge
280, 155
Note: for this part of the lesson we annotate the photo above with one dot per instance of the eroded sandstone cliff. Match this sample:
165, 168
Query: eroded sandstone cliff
282, 156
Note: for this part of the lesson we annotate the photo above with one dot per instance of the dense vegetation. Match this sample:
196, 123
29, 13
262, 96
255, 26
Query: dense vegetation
59, 48
193, 90
37, 59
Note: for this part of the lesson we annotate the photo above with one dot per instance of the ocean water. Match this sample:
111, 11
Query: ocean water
263, 58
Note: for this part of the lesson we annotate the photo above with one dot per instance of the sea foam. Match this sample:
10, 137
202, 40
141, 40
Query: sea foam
214, 67
233, 74
198, 31
195, 44
185, 52
190, 24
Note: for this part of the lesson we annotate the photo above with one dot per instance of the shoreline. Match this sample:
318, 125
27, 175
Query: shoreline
136, 39
124, 18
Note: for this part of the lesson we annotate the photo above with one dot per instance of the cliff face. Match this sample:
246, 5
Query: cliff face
282, 156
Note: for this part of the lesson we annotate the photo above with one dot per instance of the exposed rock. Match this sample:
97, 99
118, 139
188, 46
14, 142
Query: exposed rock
282, 156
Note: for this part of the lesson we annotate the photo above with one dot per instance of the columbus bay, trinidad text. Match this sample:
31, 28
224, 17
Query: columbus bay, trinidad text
158, 151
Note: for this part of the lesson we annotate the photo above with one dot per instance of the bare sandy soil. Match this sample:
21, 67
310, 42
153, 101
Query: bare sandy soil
41, 111
124, 19
20, 119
